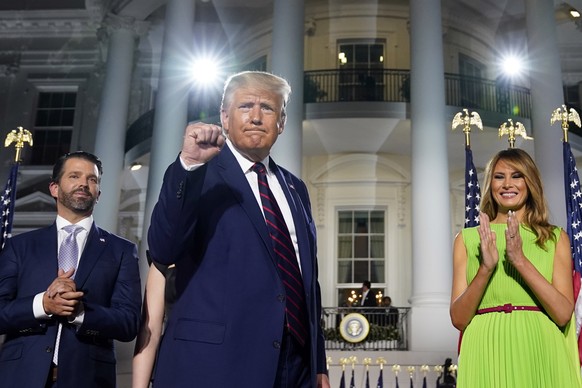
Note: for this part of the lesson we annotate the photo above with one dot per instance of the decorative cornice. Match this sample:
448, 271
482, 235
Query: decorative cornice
114, 23
35, 24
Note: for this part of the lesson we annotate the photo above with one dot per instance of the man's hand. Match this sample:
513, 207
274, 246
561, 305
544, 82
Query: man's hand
202, 142
62, 283
323, 381
61, 297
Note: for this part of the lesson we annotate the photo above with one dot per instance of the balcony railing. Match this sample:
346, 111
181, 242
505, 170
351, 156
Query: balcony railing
388, 331
387, 85
391, 85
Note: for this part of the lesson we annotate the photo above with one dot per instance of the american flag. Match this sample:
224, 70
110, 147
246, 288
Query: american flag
380, 383
353, 380
472, 191
7, 206
343, 379
574, 215
367, 378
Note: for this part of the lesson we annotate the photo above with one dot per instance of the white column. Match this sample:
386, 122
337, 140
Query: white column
171, 110
430, 325
287, 62
546, 95
112, 119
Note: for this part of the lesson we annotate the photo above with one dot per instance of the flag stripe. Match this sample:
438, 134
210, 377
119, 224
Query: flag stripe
574, 219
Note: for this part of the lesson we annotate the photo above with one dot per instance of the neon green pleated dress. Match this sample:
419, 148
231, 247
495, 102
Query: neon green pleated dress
521, 349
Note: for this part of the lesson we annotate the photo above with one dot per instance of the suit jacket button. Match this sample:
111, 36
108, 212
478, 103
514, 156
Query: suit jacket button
180, 190
281, 298
277, 344
48, 349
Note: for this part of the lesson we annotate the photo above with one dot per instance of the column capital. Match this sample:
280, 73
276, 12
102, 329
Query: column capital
112, 23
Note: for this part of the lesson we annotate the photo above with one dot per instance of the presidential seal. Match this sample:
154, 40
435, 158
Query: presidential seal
354, 327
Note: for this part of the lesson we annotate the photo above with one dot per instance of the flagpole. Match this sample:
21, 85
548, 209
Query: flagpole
19, 137
8, 196
467, 120
562, 115
472, 190
511, 130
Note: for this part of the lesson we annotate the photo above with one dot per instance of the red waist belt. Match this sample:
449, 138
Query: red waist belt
507, 308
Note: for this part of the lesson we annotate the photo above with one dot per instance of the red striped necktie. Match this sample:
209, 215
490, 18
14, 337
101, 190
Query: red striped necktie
286, 258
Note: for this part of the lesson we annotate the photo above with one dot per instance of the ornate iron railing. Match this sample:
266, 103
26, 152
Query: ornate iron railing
393, 85
387, 329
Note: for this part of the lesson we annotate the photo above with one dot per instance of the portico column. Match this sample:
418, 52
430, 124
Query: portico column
288, 25
430, 325
171, 109
112, 119
546, 95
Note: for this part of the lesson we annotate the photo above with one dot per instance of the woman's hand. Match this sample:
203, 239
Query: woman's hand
513, 240
489, 253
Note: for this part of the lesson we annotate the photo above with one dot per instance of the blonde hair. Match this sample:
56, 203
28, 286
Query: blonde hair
258, 79
536, 216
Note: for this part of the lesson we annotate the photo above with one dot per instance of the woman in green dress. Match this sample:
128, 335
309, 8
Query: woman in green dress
512, 295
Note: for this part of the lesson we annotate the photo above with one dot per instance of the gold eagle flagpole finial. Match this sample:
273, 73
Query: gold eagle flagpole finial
512, 130
466, 120
562, 115
19, 138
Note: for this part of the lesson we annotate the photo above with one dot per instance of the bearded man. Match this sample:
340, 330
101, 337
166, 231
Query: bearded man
67, 290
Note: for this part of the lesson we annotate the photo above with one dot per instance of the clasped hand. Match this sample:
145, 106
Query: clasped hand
61, 297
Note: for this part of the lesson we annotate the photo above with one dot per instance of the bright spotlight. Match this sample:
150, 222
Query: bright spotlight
205, 71
512, 66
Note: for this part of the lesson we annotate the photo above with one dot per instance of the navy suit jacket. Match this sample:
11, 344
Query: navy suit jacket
108, 275
226, 327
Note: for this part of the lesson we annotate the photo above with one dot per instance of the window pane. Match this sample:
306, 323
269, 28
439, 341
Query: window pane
376, 53
58, 100
361, 271
67, 118
377, 222
377, 271
344, 271
49, 145
41, 119
361, 222
348, 52
362, 54
361, 246
54, 119
345, 222
44, 100
69, 100
377, 246
344, 247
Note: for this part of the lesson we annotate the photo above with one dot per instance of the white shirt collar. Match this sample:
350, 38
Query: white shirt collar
85, 223
244, 163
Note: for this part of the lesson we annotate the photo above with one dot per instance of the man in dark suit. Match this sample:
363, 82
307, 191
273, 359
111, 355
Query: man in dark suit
238, 320
368, 298
60, 318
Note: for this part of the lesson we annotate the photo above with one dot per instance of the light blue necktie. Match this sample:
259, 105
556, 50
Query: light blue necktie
69, 252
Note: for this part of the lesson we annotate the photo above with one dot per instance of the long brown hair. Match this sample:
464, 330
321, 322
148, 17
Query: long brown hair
536, 216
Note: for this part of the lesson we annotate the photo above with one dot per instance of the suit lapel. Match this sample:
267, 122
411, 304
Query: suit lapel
48, 265
233, 177
94, 247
